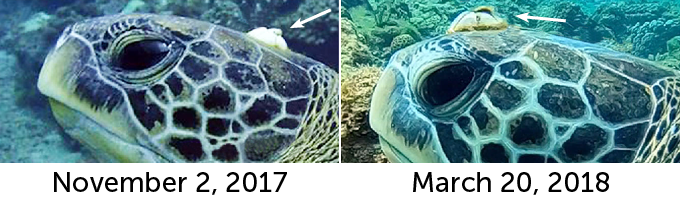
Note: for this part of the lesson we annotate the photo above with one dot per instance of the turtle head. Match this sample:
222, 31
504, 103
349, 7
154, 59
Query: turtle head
98, 78
149, 88
424, 85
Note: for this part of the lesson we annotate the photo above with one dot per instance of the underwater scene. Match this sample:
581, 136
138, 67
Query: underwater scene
169, 81
534, 81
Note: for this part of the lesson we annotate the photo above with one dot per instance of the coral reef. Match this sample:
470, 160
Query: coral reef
432, 18
641, 29
382, 21
613, 19
672, 57
384, 36
401, 41
650, 38
359, 141
353, 51
673, 47
580, 26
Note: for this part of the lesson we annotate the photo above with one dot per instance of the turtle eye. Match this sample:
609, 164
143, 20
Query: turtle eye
143, 54
445, 84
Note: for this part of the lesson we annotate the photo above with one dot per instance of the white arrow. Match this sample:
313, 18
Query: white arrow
526, 17
299, 24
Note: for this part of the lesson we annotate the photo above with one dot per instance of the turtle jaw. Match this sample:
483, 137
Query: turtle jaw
109, 147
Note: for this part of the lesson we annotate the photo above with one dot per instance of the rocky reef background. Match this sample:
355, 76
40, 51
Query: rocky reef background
28, 132
372, 30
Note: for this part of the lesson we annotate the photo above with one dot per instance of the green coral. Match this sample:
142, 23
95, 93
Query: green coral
650, 38
401, 41
390, 10
579, 27
672, 58
432, 18
359, 142
353, 51
673, 47
614, 19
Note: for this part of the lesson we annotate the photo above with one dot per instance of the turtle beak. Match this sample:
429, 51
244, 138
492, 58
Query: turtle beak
56, 75
61, 54
59, 73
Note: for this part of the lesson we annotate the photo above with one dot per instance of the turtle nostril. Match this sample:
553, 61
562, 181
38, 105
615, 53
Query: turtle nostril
447, 83
142, 54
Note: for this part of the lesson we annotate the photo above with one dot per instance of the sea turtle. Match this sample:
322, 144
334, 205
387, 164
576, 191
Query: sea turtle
514, 95
156, 88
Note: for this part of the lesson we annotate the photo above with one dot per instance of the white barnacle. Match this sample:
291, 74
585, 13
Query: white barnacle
271, 37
